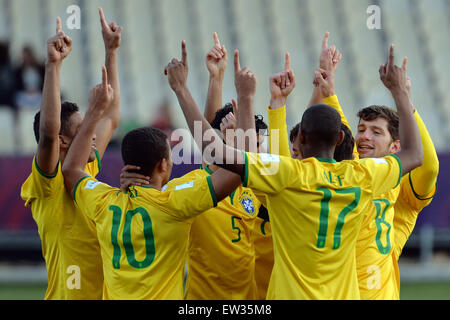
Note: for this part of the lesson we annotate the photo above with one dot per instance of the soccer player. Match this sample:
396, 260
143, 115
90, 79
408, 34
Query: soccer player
69, 241
392, 216
319, 203
144, 233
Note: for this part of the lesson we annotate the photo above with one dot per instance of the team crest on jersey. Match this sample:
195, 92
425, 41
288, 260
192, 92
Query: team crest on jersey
247, 203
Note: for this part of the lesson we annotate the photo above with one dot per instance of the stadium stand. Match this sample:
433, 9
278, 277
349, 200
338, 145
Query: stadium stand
263, 30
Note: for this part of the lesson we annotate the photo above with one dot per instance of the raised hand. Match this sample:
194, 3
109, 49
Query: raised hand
392, 76
229, 122
129, 178
111, 33
244, 80
325, 82
101, 96
329, 58
282, 84
217, 58
177, 71
59, 46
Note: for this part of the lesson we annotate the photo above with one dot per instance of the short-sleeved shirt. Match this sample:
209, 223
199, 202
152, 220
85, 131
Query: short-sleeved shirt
143, 234
69, 240
317, 207
221, 256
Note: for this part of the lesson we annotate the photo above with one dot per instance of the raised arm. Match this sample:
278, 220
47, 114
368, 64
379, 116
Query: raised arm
246, 133
216, 63
394, 78
100, 98
423, 179
224, 156
112, 35
47, 155
281, 85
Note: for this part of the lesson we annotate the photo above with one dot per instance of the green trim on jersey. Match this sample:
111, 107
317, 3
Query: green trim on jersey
49, 176
326, 160
401, 168
244, 179
211, 189
414, 191
76, 186
99, 160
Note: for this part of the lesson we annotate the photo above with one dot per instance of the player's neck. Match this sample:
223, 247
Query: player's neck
156, 182
318, 153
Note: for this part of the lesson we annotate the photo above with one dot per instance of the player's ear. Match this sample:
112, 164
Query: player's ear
395, 146
301, 138
340, 138
163, 165
64, 141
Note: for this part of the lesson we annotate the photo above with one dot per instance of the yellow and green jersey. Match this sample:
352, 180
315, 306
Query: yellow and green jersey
143, 234
69, 240
262, 234
221, 255
389, 222
316, 209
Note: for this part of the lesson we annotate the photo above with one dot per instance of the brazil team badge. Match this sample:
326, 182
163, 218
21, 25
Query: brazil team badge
246, 201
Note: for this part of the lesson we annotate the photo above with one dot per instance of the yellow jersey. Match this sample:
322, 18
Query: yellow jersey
316, 209
221, 255
69, 240
262, 233
143, 234
389, 222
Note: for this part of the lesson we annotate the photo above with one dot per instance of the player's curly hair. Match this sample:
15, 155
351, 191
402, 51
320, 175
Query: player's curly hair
67, 110
145, 147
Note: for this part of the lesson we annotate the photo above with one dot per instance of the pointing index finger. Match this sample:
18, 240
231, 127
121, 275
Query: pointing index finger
216, 39
237, 64
390, 63
102, 18
104, 78
58, 25
183, 53
287, 63
325, 40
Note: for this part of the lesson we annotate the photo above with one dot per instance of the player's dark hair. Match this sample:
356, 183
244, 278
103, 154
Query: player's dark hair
67, 110
220, 114
294, 132
344, 151
390, 115
145, 147
223, 112
321, 125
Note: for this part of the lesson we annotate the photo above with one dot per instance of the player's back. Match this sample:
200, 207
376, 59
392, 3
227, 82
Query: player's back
143, 235
69, 241
221, 257
317, 208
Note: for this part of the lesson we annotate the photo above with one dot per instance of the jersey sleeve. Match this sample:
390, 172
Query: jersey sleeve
277, 121
333, 102
94, 167
421, 182
407, 209
385, 173
269, 173
89, 195
41, 185
189, 199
